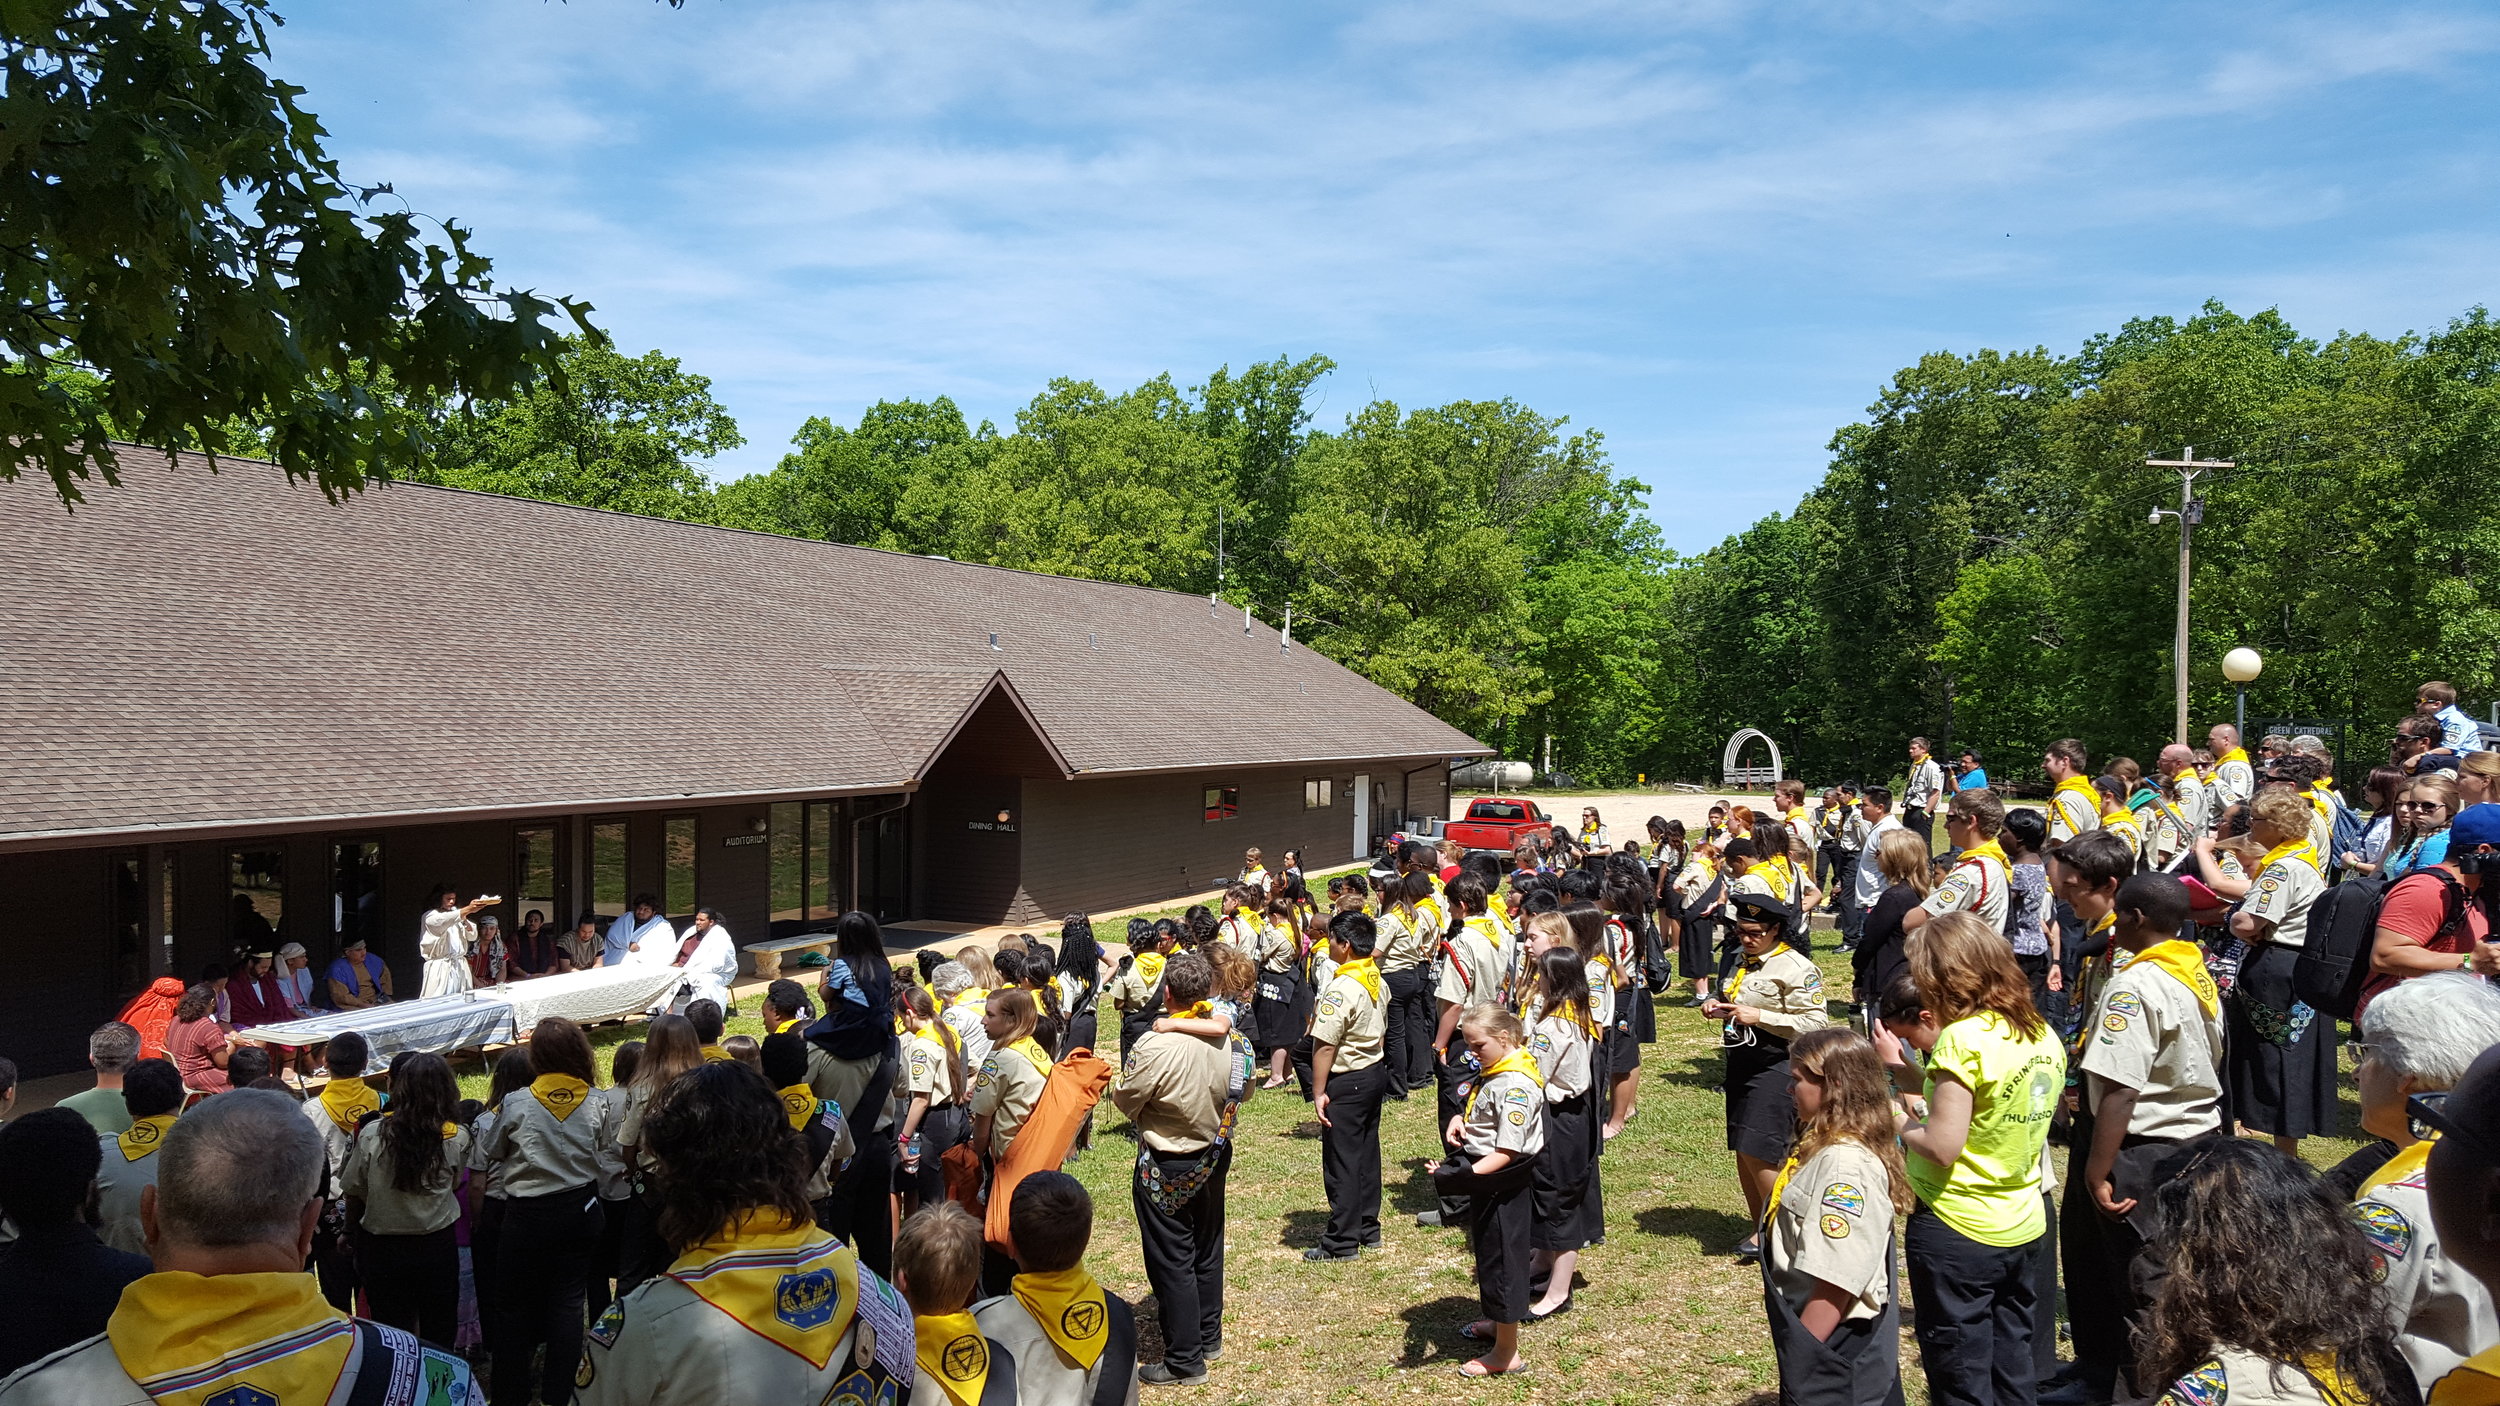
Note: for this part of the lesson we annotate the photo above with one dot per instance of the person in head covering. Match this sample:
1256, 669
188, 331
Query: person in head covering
1776, 994
151, 1012
296, 985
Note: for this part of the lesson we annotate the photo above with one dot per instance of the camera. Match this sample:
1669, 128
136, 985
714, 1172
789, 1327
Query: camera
2476, 863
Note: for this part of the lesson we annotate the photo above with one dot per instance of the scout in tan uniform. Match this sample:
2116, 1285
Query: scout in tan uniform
229, 1316
551, 1145
335, 1114
1498, 1135
1175, 1091
2074, 807
1467, 972
1977, 882
1405, 953
399, 1188
759, 1307
2151, 1059
153, 1091
2116, 818
2281, 1067
1563, 1036
1827, 1241
933, 1087
1074, 1342
1778, 996
1349, 1080
1011, 1079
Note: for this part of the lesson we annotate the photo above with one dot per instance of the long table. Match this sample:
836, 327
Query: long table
487, 1016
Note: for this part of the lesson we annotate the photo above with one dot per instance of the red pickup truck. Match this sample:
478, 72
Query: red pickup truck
1496, 822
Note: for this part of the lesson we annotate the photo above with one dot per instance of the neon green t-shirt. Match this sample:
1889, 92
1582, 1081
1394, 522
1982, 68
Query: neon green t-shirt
1992, 1193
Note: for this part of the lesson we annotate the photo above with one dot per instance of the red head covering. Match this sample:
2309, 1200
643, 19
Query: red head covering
150, 1012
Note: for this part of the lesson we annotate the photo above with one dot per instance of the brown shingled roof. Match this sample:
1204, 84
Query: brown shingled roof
197, 649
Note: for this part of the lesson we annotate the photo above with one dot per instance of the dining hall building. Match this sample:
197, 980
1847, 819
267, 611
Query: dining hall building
237, 713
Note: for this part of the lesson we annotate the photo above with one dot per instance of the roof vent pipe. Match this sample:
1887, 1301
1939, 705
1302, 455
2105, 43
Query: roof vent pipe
1245, 617
1284, 635
994, 639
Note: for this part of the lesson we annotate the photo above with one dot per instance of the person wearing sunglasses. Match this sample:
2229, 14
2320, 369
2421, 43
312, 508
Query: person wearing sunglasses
2423, 811
2417, 1042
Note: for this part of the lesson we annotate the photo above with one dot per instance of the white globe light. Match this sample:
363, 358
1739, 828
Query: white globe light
2242, 664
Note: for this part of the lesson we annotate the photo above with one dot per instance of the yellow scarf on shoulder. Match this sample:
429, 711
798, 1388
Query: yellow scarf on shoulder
1986, 849
1518, 1061
1027, 1048
560, 1094
2411, 1159
953, 1354
786, 1026
349, 1102
798, 1104
187, 1339
2236, 754
1149, 967
968, 996
144, 1137
793, 1285
1072, 1311
2300, 850
1776, 871
1779, 1187
714, 1054
2076, 786
1365, 970
2186, 965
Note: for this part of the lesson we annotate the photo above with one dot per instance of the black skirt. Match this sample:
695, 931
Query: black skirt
1693, 955
2279, 1090
1283, 1010
1761, 1115
1643, 1024
1563, 1175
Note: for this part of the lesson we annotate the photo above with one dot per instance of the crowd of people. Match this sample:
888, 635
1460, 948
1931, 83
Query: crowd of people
866, 1202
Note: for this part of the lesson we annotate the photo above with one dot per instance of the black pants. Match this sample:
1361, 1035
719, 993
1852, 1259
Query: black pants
334, 1261
2044, 1291
641, 1253
485, 1237
1453, 1079
1184, 1254
616, 1218
1914, 819
542, 1266
1349, 1158
1407, 1049
412, 1282
2108, 1266
1975, 1310
860, 1213
940, 1129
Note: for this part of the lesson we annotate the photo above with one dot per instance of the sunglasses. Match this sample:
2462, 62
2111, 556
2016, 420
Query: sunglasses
2420, 805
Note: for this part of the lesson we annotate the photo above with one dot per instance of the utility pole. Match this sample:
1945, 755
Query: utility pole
2191, 512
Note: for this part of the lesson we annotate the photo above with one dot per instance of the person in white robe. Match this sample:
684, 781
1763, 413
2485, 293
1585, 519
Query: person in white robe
445, 941
640, 937
711, 963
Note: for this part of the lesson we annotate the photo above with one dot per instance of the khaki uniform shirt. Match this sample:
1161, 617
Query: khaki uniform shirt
118, 1182
1348, 1018
1403, 943
2071, 815
336, 1142
1128, 992
1562, 1051
1472, 972
1788, 989
391, 1211
1006, 1089
845, 1081
662, 1345
1976, 885
2152, 1036
1043, 1377
618, 1184
2284, 891
1505, 1113
2244, 1379
2233, 781
2442, 1314
926, 1069
1173, 1090
1834, 1224
91, 1374
534, 1153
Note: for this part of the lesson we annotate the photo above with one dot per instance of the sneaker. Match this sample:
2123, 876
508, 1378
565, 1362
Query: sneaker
1157, 1374
1316, 1255
1429, 1220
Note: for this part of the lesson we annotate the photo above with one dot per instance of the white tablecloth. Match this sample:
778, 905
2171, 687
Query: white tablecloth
489, 1016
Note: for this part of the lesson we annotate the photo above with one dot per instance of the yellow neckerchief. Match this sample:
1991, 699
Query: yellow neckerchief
2331, 1383
2321, 799
560, 1094
187, 1339
1985, 849
2186, 965
1776, 872
1518, 1061
1779, 1186
1483, 926
786, 1026
1577, 1012
714, 1054
2236, 754
969, 995
1365, 970
1588, 834
2299, 849
1027, 1048
145, 1136
2077, 785
798, 1104
1203, 1010
1755, 964
794, 1285
1071, 1310
2407, 1161
348, 1102
1255, 874
953, 1354
1149, 967
2471, 1382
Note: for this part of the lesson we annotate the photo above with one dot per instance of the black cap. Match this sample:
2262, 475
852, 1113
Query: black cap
2470, 1113
1761, 908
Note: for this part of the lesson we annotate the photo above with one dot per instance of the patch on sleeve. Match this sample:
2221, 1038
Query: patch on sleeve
1544, 1041
1835, 1227
2123, 1007
1845, 1198
2386, 1228
1332, 1003
2206, 1386
611, 1323
1518, 1116
989, 1071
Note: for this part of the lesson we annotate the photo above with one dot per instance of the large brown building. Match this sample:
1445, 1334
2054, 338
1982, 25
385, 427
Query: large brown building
228, 701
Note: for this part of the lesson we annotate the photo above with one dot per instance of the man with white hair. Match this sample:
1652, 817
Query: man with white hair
2419, 1038
949, 983
230, 1315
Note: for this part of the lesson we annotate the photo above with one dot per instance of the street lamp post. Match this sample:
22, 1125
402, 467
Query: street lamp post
2240, 666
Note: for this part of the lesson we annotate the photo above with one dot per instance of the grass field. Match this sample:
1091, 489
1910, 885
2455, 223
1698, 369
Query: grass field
1662, 1315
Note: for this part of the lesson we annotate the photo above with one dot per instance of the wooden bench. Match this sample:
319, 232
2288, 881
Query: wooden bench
764, 958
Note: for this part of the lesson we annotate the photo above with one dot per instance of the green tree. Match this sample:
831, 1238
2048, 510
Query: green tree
176, 228
889, 483
618, 432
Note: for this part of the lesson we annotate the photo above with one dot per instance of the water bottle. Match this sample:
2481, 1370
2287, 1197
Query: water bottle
912, 1146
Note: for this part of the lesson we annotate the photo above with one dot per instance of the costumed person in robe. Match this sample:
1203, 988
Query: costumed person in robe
445, 939
151, 1012
710, 960
358, 978
643, 935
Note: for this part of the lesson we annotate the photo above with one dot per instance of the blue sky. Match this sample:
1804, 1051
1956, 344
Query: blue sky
1711, 230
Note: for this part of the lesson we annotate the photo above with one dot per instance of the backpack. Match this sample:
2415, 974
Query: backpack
2343, 924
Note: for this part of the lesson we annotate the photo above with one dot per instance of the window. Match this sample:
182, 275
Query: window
1316, 794
534, 862
607, 868
677, 867
256, 902
1497, 810
822, 901
356, 891
1223, 803
130, 921
802, 861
